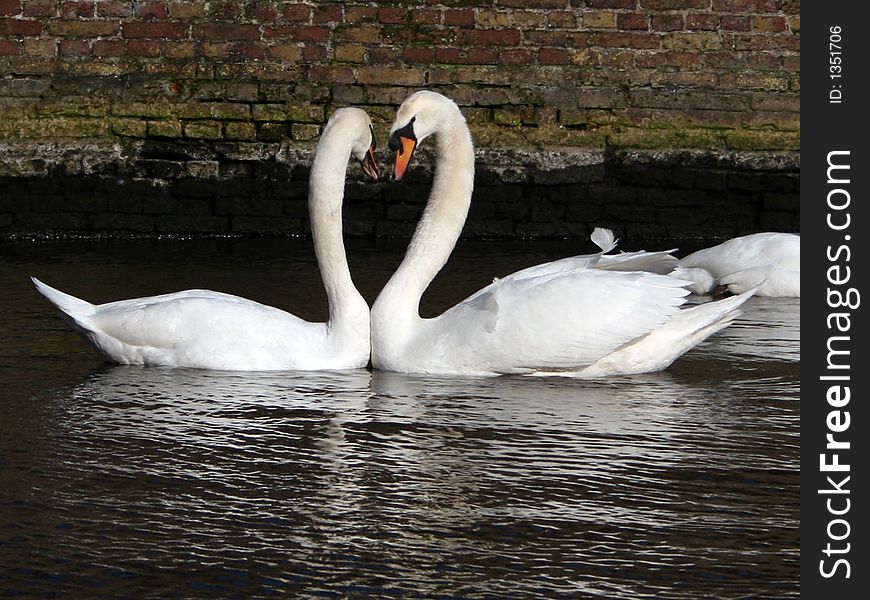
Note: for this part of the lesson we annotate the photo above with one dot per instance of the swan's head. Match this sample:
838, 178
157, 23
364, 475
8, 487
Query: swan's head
419, 116
355, 123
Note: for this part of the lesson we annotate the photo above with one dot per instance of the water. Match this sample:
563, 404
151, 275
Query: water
130, 482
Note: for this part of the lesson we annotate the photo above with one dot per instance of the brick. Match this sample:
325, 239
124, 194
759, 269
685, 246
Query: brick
178, 50
145, 30
644, 41
611, 3
459, 17
40, 8
240, 131
391, 15
355, 53
261, 12
187, 10
10, 8
152, 10
674, 4
18, 27
315, 52
304, 132
554, 56
74, 48
226, 11
108, 48
702, 21
754, 6
77, 10
114, 8
360, 14
299, 13
165, 128
599, 20
383, 56
500, 37
330, 13
215, 50
447, 55
252, 50
534, 3
633, 21
205, 130
692, 41
286, 52
390, 76
418, 55
363, 35
561, 19
735, 23
479, 56
10, 47
300, 34
44, 48
775, 24
668, 59
497, 20
331, 74
670, 22
129, 127
226, 31
426, 16
143, 48
516, 56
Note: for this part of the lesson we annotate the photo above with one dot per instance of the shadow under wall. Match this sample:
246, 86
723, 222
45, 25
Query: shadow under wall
194, 190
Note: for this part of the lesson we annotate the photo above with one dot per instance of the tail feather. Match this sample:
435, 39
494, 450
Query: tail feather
74, 308
688, 328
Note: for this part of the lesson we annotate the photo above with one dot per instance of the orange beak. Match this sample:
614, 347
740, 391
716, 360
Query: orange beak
370, 165
403, 157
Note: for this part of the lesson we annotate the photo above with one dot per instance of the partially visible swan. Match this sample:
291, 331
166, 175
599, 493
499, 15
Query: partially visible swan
561, 317
769, 261
212, 330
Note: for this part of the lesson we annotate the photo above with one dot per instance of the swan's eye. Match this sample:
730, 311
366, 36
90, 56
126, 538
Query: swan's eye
395, 143
374, 139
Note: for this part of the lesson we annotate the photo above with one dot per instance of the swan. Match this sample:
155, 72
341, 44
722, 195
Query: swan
769, 261
557, 318
212, 330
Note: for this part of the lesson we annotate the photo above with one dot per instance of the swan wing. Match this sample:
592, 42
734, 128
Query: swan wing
556, 321
193, 328
174, 319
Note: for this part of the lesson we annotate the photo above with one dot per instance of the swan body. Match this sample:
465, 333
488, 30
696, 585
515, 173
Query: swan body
770, 262
585, 316
213, 330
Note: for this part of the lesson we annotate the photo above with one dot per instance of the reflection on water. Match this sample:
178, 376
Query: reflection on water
124, 481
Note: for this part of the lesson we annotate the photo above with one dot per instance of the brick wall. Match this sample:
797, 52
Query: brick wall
250, 78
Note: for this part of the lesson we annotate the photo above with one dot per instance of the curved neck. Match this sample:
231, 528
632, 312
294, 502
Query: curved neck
442, 220
325, 196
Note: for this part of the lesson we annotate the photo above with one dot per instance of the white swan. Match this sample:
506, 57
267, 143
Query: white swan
769, 261
556, 318
212, 330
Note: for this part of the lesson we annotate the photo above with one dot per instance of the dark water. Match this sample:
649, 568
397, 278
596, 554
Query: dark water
128, 482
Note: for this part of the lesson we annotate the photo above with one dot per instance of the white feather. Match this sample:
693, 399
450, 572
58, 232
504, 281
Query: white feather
213, 330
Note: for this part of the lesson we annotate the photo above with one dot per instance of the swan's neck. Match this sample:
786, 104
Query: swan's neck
440, 225
325, 196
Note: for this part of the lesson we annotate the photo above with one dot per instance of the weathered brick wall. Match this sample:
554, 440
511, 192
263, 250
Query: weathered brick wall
225, 91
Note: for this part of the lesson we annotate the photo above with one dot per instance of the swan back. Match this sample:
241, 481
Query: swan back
769, 261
